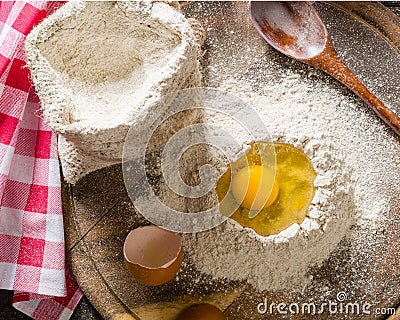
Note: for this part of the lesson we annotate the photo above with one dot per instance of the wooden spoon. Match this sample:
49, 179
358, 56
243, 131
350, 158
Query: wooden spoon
296, 30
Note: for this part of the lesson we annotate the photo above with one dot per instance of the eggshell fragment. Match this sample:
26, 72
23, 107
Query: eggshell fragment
153, 255
202, 311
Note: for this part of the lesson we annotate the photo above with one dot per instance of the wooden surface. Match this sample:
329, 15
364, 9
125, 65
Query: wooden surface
99, 214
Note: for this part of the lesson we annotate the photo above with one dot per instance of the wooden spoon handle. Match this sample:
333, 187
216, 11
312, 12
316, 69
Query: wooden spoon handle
330, 62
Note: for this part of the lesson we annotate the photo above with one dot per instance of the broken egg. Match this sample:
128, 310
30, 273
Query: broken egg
202, 311
153, 255
282, 197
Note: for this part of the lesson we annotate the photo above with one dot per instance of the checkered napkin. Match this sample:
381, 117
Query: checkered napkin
32, 257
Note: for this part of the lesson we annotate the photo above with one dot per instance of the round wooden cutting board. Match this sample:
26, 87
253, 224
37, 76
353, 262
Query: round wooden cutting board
99, 214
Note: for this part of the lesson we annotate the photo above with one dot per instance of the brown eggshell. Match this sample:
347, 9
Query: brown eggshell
202, 311
153, 255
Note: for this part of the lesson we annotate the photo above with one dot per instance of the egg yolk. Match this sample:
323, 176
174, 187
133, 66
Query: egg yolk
255, 187
281, 205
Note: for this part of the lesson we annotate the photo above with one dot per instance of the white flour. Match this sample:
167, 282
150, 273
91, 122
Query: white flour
99, 67
296, 112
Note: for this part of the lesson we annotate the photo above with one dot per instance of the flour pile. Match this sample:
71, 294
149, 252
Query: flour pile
347, 188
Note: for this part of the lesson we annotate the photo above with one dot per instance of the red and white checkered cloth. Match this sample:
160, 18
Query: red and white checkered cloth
32, 257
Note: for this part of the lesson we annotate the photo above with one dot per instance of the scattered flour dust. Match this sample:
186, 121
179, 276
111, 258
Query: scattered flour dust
349, 186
